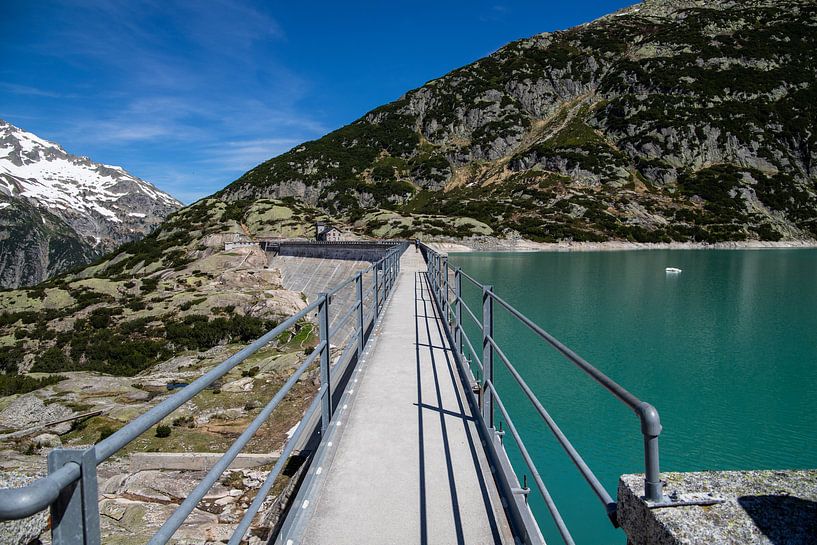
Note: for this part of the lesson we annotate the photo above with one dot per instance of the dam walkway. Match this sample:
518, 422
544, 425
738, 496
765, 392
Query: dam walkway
404, 440
407, 464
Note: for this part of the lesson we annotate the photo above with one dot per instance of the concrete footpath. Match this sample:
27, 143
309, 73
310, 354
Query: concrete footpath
409, 466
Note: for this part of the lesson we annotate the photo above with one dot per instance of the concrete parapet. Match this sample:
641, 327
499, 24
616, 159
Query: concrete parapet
195, 461
357, 251
746, 507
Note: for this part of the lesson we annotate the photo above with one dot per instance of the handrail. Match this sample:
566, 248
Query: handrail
586, 472
438, 276
75, 518
540, 484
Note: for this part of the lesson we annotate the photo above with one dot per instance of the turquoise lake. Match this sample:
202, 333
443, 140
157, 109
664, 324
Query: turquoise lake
726, 351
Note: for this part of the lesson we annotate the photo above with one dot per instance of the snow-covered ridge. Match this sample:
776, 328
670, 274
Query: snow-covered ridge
44, 172
85, 194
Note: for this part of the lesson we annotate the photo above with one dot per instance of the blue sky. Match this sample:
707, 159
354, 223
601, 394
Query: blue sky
191, 94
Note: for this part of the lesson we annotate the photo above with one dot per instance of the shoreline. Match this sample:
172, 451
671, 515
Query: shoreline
485, 244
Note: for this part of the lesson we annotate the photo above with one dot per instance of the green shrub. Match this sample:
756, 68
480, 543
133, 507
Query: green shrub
250, 372
52, 360
105, 432
184, 421
163, 431
22, 384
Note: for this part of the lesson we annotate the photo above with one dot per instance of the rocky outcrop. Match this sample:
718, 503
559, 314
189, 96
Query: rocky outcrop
29, 411
35, 244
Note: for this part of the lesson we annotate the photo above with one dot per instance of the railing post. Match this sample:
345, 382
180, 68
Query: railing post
487, 355
323, 329
376, 297
458, 309
437, 275
434, 272
651, 429
75, 513
388, 265
440, 279
445, 302
361, 336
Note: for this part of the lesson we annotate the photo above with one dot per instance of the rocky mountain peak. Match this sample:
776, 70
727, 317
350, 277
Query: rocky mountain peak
99, 206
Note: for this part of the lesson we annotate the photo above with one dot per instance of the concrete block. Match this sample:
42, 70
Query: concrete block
759, 507
195, 461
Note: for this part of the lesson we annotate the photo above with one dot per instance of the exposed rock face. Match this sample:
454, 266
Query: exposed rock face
76, 209
29, 411
665, 121
35, 244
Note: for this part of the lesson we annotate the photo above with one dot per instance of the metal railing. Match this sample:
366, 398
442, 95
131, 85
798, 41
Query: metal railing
70, 488
446, 286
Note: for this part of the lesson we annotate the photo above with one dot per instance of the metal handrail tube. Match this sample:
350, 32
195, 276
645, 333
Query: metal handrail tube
17, 503
647, 414
349, 348
105, 448
340, 322
341, 342
471, 313
28, 500
473, 352
263, 491
348, 281
473, 280
181, 513
616, 389
568, 447
540, 484
340, 286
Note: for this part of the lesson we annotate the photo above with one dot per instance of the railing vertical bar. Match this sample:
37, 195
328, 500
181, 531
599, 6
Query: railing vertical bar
458, 309
540, 484
323, 329
444, 287
487, 355
376, 288
262, 493
361, 337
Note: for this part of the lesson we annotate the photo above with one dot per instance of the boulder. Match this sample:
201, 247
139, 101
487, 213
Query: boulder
241, 385
47, 440
29, 411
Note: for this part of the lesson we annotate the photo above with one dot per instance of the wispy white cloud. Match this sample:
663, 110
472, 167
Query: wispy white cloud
243, 155
28, 91
184, 94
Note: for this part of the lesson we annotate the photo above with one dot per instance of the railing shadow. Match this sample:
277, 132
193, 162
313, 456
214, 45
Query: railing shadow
785, 520
431, 349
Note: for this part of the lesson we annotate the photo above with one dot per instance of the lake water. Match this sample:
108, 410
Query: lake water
726, 350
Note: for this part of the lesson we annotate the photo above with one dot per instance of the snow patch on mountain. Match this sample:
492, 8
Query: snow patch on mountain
102, 202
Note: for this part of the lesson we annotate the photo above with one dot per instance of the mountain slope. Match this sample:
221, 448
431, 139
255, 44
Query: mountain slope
668, 120
62, 211
36, 244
